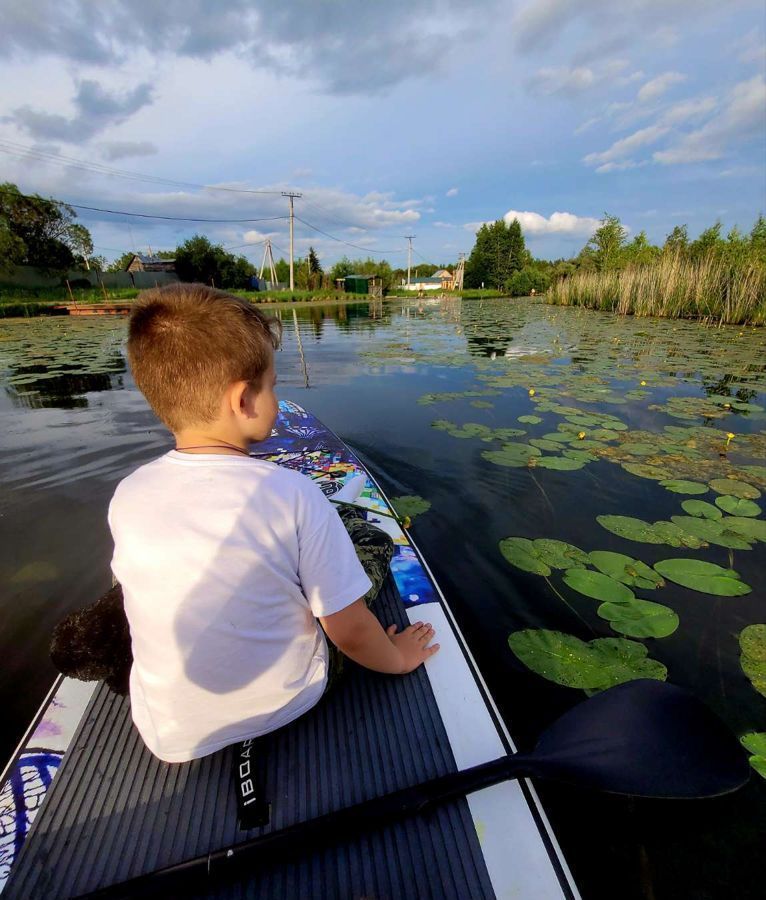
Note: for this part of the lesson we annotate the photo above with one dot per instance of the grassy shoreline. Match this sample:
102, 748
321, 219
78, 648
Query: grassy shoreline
709, 290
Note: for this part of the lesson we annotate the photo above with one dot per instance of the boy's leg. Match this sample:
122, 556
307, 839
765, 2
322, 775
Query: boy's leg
374, 548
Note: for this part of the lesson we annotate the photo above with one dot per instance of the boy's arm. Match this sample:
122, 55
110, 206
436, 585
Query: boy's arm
356, 632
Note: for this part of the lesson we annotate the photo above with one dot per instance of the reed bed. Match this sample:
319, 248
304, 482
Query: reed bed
712, 289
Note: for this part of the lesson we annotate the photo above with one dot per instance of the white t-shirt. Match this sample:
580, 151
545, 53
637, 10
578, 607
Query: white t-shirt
225, 563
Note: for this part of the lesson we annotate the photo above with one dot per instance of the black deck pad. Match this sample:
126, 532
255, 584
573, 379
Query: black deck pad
114, 811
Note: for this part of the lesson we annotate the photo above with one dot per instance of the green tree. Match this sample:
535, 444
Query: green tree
758, 240
81, 243
606, 245
677, 241
121, 263
639, 252
708, 243
38, 231
199, 260
498, 252
517, 251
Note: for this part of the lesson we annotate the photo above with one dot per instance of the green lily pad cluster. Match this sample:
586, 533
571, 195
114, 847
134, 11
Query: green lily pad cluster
590, 665
542, 555
752, 646
410, 505
755, 743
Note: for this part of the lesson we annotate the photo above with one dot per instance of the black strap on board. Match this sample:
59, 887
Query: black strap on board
252, 809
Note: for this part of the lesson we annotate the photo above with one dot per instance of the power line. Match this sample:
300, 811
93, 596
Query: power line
13, 148
135, 215
348, 243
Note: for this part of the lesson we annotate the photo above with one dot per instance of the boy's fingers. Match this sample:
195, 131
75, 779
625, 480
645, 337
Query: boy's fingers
432, 649
391, 629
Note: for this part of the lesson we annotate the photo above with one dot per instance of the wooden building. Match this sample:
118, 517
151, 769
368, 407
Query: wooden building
142, 263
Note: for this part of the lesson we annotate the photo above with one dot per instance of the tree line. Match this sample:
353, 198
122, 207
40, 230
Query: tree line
40, 232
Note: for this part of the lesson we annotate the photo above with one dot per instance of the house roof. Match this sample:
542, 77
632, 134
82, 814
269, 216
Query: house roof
442, 273
151, 260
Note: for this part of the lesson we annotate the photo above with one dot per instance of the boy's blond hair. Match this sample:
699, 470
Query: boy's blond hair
187, 343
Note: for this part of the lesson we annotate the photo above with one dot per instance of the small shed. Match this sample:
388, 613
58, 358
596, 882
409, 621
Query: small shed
362, 284
142, 263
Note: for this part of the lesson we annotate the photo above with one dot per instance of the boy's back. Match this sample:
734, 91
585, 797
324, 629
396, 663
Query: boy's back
225, 563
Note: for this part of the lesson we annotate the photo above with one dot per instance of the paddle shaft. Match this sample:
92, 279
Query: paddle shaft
320, 831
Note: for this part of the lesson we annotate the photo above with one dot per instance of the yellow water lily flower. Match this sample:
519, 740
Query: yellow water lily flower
531, 392
643, 384
729, 436
581, 435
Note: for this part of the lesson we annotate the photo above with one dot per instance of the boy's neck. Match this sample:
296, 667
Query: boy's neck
211, 440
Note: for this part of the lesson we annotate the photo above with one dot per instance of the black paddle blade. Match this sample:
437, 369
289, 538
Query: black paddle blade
645, 738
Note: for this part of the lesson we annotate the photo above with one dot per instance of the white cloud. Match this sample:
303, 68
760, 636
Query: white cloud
572, 80
688, 109
561, 80
625, 146
742, 118
452, 192
751, 48
657, 86
330, 43
534, 224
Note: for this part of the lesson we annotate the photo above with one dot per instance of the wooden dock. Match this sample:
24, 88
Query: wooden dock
118, 308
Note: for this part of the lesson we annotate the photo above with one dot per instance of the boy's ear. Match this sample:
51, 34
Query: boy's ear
240, 398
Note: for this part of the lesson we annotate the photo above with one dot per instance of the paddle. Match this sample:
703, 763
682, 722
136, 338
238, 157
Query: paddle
644, 738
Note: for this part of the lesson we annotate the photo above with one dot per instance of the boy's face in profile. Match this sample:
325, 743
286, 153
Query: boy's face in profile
264, 405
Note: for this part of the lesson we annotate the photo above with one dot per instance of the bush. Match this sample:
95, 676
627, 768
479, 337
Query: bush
523, 282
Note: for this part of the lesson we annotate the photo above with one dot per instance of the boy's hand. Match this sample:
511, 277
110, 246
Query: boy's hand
412, 644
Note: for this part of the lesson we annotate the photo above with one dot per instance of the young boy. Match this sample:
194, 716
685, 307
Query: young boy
228, 563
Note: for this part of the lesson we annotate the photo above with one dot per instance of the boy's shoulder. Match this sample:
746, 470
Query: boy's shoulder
157, 475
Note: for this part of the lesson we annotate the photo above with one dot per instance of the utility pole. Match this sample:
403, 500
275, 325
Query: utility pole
268, 257
409, 238
291, 196
460, 272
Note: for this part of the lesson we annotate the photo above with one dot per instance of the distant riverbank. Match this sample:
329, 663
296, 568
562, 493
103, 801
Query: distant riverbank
21, 303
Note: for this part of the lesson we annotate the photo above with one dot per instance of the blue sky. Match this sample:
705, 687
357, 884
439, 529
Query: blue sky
422, 117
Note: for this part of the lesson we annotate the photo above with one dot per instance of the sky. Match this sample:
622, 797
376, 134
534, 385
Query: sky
409, 117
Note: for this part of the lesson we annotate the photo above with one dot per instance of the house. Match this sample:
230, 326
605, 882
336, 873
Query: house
142, 263
422, 284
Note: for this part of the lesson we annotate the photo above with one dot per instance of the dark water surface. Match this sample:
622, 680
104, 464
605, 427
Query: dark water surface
74, 424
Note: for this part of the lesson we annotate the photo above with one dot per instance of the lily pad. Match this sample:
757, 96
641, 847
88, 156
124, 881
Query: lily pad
631, 529
593, 665
559, 554
755, 742
561, 463
639, 449
712, 532
679, 486
409, 506
645, 471
640, 618
530, 420
752, 644
543, 444
735, 488
521, 552
700, 575
598, 586
624, 568
512, 454
701, 509
749, 529
737, 506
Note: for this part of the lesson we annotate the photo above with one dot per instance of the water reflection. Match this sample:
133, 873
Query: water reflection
74, 424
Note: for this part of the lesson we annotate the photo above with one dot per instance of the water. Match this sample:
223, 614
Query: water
74, 424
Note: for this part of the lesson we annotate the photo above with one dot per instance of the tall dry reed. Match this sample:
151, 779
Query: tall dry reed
673, 287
